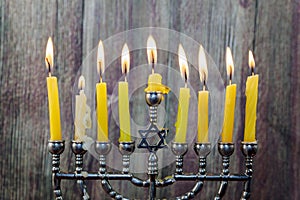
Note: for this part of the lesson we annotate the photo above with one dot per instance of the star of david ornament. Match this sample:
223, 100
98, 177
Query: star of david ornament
152, 138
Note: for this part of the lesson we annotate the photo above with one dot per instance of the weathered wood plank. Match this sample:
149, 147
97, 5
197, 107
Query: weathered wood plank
25, 26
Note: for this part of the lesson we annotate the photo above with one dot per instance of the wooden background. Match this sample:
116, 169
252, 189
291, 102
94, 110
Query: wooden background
269, 28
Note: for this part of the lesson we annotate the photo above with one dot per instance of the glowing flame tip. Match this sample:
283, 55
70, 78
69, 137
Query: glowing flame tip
49, 54
202, 64
151, 50
251, 60
229, 63
125, 59
100, 59
183, 64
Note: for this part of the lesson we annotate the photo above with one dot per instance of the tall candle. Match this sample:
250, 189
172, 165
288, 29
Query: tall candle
228, 123
101, 92
203, 99
251, 103
124, 116
53, 98
82, 112
184, 97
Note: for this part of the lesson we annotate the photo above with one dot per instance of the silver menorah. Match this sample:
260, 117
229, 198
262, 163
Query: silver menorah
152, 139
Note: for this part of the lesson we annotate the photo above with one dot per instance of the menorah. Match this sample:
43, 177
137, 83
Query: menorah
152, 139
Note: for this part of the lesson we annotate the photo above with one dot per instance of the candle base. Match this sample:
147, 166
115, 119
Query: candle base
126, 149
179, 150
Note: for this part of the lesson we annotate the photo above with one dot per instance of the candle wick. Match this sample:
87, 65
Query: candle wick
125, 71
204, 84
152, 62
153, 68
252, 71
230, 76
48, 66
100, 78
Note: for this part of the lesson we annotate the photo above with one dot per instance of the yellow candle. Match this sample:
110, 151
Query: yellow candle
202, 99
102, 116
229, 106
53, 98
182, 115
124, 116
251, 103
101, 92
203, 116
184, 97
228, 122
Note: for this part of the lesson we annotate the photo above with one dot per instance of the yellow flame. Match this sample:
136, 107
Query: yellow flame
100, 58
202, 64
81, 82
251, 60
125, 59
151, 50
229, 62
49, 54
183, 64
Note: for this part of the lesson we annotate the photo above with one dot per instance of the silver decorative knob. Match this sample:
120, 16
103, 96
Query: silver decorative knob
153, 98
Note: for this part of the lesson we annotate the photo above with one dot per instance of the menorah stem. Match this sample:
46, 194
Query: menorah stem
55, 180
179, 150
226, 150
153, 114
249, 150
126, 163
202, 150
79, 151
126, 149
152, 190
152, 172
103, 149
179, 164
56, 148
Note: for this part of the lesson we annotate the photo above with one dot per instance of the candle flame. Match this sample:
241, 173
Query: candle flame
49, 55
229, 63
202, 64
100, 59
183, 64
81, 82
125, 59
151, 50
251, 60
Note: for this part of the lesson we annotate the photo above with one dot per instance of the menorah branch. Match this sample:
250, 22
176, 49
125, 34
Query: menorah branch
79, 151
249, 150
56, 148
226, 150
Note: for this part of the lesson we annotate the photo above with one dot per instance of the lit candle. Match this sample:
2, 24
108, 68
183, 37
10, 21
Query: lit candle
53, 98
202, 99
230, 97
154, 79
124, 116
101, 92
184, 97
251, 103
82, 112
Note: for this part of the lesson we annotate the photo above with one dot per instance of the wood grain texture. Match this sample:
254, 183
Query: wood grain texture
269, 28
